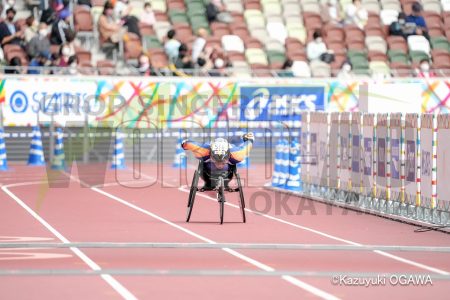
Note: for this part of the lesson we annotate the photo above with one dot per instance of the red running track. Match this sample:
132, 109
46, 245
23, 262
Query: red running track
131, 212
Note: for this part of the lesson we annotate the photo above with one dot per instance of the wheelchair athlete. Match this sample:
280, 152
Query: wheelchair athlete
219, 158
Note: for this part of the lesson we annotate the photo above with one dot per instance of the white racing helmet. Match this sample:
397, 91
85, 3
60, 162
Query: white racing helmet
220, 150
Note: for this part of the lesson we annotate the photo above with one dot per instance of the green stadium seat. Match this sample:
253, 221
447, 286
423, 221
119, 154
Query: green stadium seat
151, 42
417, 56
440, 42
397, 56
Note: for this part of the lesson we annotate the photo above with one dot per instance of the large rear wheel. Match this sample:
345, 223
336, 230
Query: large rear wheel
192, 194
241, 196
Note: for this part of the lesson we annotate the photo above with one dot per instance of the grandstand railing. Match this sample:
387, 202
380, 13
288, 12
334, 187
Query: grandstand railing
129, 70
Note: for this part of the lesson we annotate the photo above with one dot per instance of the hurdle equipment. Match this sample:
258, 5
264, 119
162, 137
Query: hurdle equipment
180, 159
118, 158
277, 163
284, 174
36, 157
59, 158
3, 160
294, 181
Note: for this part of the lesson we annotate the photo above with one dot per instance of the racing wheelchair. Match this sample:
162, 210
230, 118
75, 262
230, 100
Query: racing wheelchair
220, 188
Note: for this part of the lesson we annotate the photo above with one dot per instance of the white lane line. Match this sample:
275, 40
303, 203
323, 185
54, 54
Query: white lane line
301, 284
383, 253
117, 286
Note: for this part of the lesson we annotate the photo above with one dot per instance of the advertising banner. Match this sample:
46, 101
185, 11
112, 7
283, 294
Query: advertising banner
279, 103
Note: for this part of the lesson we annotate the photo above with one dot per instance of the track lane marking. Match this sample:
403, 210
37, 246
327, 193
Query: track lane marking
383, 253
117, 286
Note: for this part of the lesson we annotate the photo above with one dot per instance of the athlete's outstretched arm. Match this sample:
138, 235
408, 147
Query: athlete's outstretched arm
239, 153
200, 151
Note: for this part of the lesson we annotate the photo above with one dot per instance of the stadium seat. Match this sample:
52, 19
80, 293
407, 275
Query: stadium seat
297, 31
260, 34
392, 5
320, 69
379, 68
276, 57
274, 45
159, 5
388, 16
301, 69
252, 43
417, 56
418, 43
440, 42
372, 6
254, 18
271, 8
232, 43
256, 56
432, 6
158, 58
235, 56
291, 11
150, 42
312, 7
241, 69
235, 6
334, 34
106, 67
376, 43
398, 57
277, 31
377, 56
400, 70
161, 29
239, 30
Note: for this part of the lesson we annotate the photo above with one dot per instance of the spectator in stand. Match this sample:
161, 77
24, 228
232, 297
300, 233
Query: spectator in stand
6, 5
15, 66
111, 33
417, 18
48, 16
424, 69
32, 28
72, 66
331, 12
145, 68
215, 11
317, 50
171, 46
66, 51
39, 43
60, 28
122, 11
287, 69
345, 73
9, 33
401, 28
148, 16
199, 43
220, 63
41, 60
183, 60
356, 14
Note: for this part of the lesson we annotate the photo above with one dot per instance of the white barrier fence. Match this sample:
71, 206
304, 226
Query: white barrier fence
393, 163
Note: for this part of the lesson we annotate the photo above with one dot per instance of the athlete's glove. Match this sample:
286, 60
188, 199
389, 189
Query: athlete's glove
248, 137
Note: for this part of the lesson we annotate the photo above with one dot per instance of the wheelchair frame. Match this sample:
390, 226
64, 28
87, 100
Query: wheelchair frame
220, 189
